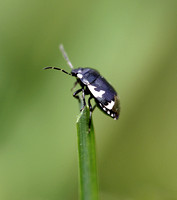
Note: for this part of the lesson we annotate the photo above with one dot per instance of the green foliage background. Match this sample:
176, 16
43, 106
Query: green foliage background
133, 44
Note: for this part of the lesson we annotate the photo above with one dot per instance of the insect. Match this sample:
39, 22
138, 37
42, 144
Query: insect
93, 84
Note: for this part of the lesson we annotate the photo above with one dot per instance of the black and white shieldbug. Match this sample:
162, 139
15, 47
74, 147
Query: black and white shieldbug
93, 84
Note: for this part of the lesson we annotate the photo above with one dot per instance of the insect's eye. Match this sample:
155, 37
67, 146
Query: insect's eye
73, 73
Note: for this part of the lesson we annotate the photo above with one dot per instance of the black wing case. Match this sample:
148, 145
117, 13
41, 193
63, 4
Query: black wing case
107, 92
105, 96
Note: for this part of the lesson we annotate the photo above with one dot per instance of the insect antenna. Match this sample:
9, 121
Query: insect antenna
65, 56
56, 68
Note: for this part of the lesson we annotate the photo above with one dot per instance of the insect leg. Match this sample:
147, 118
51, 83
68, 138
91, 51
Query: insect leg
77, 92
83, 98
94, 107
91, 110
74, 86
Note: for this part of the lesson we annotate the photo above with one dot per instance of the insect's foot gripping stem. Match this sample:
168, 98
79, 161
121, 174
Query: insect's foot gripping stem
83, 99
82, 107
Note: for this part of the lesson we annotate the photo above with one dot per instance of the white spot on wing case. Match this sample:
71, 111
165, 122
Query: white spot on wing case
94, 92
110, 105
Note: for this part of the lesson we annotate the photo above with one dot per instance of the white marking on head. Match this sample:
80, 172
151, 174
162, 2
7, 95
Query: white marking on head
108, 112
110, 105
79, 75
94, 92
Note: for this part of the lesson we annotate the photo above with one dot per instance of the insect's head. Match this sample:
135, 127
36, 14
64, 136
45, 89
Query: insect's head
77, 71
80, 70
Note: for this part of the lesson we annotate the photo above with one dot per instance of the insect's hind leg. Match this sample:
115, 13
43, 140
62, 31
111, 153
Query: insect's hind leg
91, 110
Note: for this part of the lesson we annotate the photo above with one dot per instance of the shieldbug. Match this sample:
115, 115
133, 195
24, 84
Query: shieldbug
93, 84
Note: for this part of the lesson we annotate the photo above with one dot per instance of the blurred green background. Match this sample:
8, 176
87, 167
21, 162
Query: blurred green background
133, 44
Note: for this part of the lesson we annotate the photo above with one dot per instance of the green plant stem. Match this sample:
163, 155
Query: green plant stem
87, 158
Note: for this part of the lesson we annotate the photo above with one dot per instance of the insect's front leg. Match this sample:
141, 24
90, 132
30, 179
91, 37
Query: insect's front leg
91, 110
75, 94
75, 84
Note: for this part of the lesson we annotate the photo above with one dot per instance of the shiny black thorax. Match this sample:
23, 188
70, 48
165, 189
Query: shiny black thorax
89, 75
